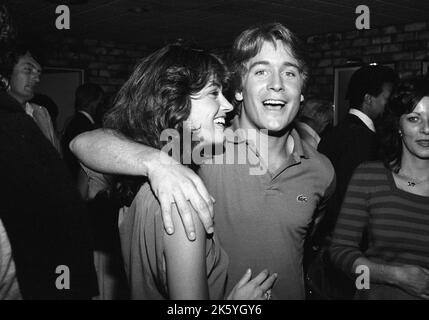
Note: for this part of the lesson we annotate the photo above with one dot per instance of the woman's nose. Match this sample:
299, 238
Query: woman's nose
225, 104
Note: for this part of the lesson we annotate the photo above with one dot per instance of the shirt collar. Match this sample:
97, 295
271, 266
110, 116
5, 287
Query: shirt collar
309, 130
236, 135
86, 114
364, 118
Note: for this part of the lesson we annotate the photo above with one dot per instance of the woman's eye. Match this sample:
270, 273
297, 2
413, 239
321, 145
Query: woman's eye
413, 119
215, 93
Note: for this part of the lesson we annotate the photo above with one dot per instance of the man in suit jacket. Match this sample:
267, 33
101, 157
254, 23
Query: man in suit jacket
87, 98
45, 244
350, 143
354, 140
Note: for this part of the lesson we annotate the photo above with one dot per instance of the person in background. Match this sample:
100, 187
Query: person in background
313, 118
87, 100
49, 104
23, 72
43, 222
354, 139
389, 201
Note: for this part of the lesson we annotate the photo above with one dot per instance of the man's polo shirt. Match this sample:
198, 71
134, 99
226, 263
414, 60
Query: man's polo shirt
262, 220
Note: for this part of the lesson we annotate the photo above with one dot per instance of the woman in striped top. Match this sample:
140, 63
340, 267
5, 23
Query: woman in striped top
384, 220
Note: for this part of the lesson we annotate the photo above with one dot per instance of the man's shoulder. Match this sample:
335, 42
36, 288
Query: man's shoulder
320, 161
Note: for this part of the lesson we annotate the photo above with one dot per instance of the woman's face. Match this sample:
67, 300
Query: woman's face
208, 110
415, 130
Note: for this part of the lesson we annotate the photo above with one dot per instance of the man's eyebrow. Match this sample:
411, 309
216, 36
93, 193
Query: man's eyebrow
32, 65
266, 63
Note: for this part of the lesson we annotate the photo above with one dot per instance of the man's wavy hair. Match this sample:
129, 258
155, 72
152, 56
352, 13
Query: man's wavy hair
157, 96
403, 101
249, 43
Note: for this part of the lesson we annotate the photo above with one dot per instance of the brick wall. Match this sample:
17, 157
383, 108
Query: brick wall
406, 46
105, 63
109, 64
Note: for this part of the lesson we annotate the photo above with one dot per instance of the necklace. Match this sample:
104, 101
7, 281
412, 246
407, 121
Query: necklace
411, 182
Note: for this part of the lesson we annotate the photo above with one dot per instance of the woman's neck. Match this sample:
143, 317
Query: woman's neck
414, 167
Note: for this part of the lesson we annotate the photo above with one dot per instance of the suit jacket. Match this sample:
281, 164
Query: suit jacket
79, 124
347, 145
44, 217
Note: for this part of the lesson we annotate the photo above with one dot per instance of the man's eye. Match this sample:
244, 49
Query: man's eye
215, 93
290, 74
260, 72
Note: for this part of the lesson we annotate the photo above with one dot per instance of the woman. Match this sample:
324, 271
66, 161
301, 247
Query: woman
388, 206
174, 88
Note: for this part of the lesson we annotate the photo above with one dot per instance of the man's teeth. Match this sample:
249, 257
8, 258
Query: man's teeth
274, 104
219, 121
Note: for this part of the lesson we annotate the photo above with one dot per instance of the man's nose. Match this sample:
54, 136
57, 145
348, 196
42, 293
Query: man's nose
36, 77
276, 82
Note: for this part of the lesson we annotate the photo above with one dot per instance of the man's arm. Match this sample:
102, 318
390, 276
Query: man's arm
109, 152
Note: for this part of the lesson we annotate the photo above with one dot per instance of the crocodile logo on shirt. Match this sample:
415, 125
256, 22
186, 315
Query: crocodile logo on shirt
302, 198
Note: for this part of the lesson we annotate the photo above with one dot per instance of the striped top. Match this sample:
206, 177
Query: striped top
396, 221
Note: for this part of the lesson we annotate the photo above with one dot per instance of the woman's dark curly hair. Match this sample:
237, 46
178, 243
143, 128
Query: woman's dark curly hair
157, 96
403, 101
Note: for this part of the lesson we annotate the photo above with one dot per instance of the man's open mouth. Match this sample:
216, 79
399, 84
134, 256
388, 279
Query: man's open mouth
274, 104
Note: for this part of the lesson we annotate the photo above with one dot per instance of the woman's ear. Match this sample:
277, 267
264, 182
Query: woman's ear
302, 97
239, 96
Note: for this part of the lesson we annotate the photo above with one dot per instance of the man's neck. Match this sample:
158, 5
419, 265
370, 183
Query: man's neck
273, 148
20, 100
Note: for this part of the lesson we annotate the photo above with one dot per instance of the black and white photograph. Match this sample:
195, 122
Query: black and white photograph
197, 150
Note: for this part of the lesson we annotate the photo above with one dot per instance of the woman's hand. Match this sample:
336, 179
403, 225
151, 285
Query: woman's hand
259, 288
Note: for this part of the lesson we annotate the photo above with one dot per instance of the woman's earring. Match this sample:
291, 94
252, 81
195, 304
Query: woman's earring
400, 133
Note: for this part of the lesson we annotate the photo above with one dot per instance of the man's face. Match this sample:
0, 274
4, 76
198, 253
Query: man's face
271, 89
24, 78
379, 102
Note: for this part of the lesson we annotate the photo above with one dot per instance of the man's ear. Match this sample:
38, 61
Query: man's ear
367, 99
239, 96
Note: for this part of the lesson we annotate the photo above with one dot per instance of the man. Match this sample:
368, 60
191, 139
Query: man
314, 116
354, 140
23, 72
43, 219
87, 98
263, 219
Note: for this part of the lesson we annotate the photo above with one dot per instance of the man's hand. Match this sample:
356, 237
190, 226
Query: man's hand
176, 184
414, 280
